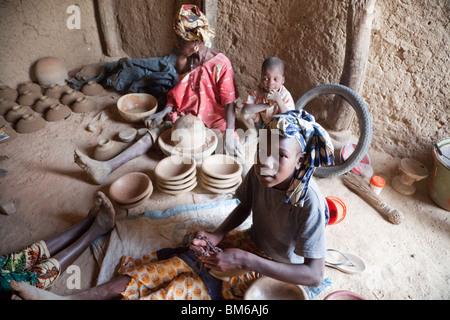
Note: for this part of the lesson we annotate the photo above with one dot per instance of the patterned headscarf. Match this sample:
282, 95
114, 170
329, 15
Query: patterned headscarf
191, 24
315, 142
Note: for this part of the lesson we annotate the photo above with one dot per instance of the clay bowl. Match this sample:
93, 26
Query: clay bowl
176, 183
71, 96
92, 88
134, 107
29, 98
16, 113
84, 104
6, 106
220, 182
58, 112
29, 86
8, 93
344, 295
266, 288
137, 203
50, 70
175, 168
221, 189
181, 186
188, 133
44, 103
337, 209
128, 135
130, 188
30, 123
199, 154
221, 166
177, 192
55, 91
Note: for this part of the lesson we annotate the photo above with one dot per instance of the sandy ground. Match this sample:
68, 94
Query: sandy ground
50, 193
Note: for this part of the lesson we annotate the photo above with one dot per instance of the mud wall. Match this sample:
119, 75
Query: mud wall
407, 81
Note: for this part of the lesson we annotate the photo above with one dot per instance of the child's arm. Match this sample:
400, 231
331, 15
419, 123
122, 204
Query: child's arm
276, 97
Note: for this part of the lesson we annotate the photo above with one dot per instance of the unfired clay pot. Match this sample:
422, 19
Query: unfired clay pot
107, 149
29, 86
8, 93
50, 70
188, 132
221, 166
17, 112
71, 96
266, 288
30, 123
92, 88
83, 105
128, 135
5, 106
44, 103
28, 98
130, 188
58, 112
174, 168
56, 91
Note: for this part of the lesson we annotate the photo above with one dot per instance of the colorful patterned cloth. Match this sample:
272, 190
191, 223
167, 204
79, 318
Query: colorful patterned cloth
204, 91
315, 142
31, 264
191, 24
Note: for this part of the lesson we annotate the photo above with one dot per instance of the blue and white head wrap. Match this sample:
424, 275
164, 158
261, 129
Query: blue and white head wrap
315, 143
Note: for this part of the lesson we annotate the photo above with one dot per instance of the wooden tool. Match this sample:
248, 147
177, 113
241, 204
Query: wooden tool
360, 187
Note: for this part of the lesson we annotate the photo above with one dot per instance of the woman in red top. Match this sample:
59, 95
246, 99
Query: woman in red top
206, 89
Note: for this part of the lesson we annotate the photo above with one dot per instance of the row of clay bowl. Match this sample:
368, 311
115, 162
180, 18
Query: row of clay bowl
176, 174
221, 173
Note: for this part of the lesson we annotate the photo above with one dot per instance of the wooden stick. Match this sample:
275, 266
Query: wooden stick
358, 185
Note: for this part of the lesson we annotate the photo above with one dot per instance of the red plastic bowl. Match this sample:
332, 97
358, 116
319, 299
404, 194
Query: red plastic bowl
337, 208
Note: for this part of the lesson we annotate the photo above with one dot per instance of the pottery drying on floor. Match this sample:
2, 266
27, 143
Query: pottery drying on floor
83, 105
178, 187
58, 112
221, 189
44, 103
92, 88
266, 288
29, 98
107, 149
221, 166
56, 91
174, 168
17, 112
50, 70
199, 154
183, 181
130, 188
178, 192
71, 96
128, 135
30, 123
8, 93
137, 203
220, 184
6, 106
134, 107
29, 86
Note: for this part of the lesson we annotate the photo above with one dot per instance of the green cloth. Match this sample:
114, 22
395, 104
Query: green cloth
15, 272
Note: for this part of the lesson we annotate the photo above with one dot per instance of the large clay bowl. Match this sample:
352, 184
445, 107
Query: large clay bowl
266, 288
136, 106
175, 168
221, 166
50, 70
344, 295
137, 203
30, 123
130, 188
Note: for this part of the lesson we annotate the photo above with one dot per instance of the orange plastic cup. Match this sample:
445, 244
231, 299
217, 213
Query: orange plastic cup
337, 209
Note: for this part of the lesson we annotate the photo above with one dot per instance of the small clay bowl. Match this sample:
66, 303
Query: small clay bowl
266, 288
221, 166
128, 135
84, 104
175, 168
29, 86
58, 112
130, 188
344, 295
5, 106
8, 93
92, 88
134, 107
55, 91
50, 70
44, 103
30, 123
17, 112
28, 98
71, 96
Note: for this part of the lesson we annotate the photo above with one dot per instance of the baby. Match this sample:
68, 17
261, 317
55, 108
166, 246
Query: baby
270, 97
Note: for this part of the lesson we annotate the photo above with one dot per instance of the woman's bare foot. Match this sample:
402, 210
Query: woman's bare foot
105, 213
98, 171
24, 291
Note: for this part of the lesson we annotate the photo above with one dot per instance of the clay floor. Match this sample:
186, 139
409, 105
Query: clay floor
50, 193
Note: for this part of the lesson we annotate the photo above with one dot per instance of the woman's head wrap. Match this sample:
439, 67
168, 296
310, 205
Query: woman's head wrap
315, 143
191, 24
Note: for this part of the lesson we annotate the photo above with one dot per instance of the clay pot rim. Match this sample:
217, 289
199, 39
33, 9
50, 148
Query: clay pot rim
344, 293
223, 160
116, 188
187, 163
135, 117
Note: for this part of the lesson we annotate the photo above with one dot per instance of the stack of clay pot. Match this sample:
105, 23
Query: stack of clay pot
176, 174
131, 190
190, 137
221, 174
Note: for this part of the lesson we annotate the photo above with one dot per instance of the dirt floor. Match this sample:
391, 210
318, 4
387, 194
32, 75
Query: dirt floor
50, 193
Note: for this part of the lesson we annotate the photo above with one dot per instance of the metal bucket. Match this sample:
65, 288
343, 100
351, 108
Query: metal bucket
440, 177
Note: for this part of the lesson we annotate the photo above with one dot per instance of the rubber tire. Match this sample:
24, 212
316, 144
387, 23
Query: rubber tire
365, 125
